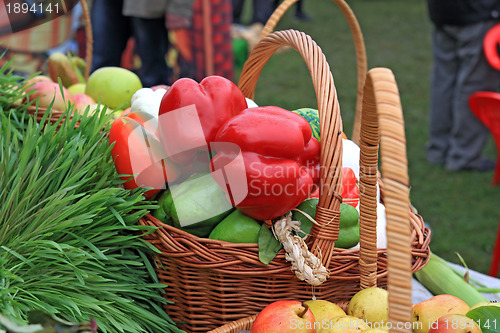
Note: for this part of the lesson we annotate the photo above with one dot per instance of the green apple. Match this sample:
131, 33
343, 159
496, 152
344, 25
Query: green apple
113, 86
77, 88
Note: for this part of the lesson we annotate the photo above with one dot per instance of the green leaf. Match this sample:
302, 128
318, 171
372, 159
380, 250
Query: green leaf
269, 246
487, 317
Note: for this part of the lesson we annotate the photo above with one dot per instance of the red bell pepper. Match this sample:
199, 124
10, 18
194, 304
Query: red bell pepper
278, 153
191, 114
138, 155
350, 190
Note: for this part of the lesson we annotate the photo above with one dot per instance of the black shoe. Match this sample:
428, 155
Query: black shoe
302, 16
483, 165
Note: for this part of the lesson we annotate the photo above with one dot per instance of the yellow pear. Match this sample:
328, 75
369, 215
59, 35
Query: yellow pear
371, 305
343, 324
477, 305
324, 312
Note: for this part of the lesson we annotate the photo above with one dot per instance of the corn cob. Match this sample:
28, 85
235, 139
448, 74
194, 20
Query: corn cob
439, 278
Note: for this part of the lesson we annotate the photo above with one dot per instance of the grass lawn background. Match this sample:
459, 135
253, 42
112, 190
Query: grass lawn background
462, 208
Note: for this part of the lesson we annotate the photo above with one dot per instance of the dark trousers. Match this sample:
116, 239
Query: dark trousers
111, 32
262, 9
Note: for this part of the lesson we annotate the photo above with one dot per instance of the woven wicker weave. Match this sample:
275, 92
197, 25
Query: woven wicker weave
381, 107
55, 115
213, 282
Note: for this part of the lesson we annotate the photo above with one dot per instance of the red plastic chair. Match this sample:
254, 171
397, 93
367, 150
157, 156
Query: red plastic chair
491, 44
495, 258
486, 107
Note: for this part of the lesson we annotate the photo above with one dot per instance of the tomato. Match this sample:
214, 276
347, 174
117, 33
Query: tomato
137, 153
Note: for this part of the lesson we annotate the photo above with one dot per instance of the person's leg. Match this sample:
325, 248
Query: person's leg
299, 11
468, 134
111, 31
237, 10
262, 10
443, 79
151, 40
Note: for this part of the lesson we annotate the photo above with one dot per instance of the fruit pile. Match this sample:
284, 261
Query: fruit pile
368, 311
65, 86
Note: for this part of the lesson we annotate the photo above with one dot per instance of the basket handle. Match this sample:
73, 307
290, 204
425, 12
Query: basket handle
325, 232
89, 42
382, 117
359, 46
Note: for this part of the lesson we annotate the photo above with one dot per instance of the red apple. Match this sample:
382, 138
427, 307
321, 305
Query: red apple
82, 101
427, 312
454, 323
47, 92
284, 317
38, 78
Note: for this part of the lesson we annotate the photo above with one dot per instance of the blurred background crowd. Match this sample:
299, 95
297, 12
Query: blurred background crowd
160, 40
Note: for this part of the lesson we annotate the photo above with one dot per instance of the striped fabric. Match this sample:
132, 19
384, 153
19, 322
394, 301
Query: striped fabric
29, 47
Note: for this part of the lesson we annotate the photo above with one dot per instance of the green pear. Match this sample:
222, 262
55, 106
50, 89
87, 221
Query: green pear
113, 86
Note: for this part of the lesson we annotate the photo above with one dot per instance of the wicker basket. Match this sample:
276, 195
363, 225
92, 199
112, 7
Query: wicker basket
381, 108
213, 282
55, 115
